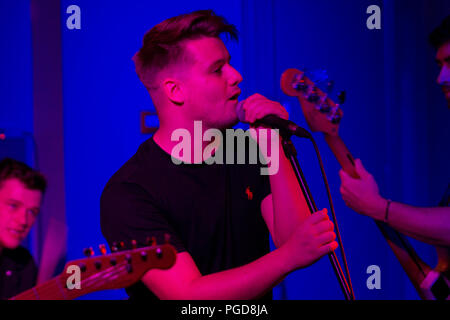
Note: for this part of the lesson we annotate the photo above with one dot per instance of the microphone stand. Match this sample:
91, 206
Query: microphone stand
291, 154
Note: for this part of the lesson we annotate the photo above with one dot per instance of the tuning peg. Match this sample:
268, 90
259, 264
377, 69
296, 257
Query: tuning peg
342, 95
159, 253
313, 96
121, 245
134, 244
324, 107
88, 252
102, 248
335, 119
114, 247
151, 241
144, 256
299, 83
167, 238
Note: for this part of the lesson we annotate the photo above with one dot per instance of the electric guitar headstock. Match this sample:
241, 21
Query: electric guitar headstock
116, 270
321, 112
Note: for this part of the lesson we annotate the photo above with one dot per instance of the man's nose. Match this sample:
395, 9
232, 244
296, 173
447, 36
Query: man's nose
22, 218
235, 77
444, 75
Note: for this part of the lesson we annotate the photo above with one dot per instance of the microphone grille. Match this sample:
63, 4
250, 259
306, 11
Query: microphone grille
240, 112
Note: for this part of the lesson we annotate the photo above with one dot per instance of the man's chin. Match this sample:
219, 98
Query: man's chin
11, 245
228, 124
233, 123
447, 97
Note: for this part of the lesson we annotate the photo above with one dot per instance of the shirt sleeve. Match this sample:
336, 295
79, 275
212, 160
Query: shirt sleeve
128, 212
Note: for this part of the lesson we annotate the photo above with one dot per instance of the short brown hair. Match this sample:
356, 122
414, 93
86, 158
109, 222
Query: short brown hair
13, 169
440, 35
162, 44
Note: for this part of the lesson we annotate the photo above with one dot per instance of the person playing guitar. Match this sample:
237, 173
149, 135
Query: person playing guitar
360, 191
429, 225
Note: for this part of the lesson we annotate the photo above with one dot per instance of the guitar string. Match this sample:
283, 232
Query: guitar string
47, 289
50, 285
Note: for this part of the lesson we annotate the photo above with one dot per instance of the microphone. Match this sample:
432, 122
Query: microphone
275, 122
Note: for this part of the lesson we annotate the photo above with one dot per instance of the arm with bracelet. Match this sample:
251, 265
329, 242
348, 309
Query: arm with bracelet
430, 225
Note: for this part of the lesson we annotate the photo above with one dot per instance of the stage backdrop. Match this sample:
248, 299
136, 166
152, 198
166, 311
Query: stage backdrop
395, 117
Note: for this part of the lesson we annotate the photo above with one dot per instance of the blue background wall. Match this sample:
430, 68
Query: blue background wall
395, 117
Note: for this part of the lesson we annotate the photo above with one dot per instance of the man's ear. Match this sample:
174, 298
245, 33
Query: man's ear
174, 90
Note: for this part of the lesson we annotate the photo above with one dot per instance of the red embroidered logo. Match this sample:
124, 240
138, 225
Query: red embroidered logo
249, 193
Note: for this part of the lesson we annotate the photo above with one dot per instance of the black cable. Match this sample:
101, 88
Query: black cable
330, 200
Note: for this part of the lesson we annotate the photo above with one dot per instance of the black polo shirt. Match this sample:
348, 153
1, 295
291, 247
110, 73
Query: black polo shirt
18, 272
211, 211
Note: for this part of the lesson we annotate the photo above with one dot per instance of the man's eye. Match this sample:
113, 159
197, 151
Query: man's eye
34, 213
13, 206
219, 70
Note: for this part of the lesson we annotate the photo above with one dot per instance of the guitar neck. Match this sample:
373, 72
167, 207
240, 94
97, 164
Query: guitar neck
343, 156
53, 289
414, 267
108, 271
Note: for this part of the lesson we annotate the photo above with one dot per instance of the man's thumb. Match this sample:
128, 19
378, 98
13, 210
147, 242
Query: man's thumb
360, 168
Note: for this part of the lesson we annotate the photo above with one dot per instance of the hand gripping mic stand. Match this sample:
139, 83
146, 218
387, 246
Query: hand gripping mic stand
291, 154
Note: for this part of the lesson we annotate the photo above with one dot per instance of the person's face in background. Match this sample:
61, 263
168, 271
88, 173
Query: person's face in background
19, 207
443, 60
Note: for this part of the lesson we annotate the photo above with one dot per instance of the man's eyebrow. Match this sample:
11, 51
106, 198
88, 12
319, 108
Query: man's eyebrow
220, 61
12, 200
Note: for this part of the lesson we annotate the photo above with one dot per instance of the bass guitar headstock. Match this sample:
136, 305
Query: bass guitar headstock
321, 112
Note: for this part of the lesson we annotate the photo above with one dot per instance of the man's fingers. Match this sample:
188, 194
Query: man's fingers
342, 190
264, 107
328, 248
326, 237
255, 96
347, 179
360, 168
319, 216
324, 226
343, 175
